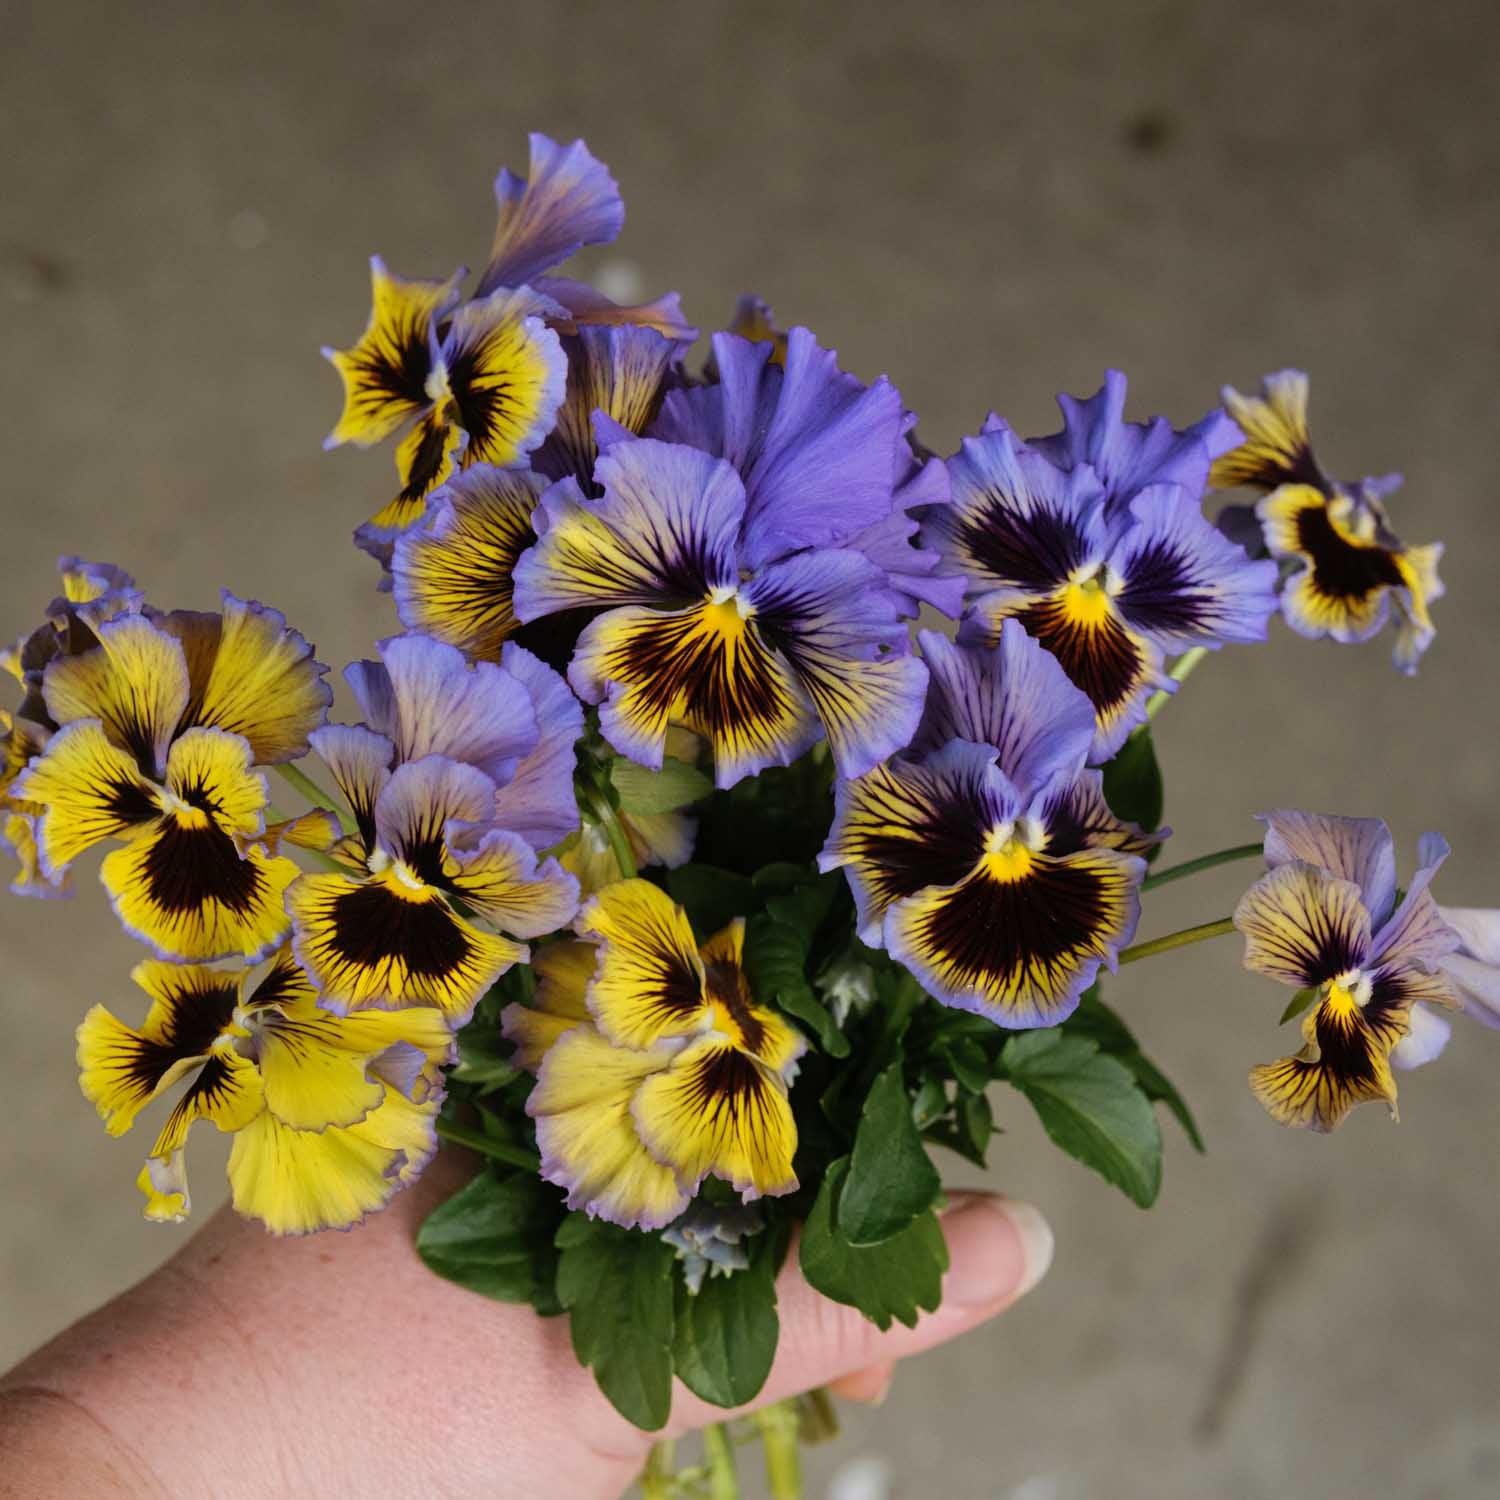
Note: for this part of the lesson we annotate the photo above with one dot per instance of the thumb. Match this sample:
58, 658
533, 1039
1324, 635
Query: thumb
998, 1249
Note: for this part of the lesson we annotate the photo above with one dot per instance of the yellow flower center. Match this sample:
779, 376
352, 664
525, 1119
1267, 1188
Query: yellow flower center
1008, 853
726, 612
1086, 601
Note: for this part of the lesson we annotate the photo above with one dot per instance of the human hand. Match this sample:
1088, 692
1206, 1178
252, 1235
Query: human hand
339, 1365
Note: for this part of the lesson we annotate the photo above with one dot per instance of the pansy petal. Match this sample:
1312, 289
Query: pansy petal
1021, 938
252, 675
318, 830
828, 615
135, 681
1184, 582
707, 668
1302, 925
1357, 849
226, 1091
754, 320
507, 373
1076, 815
1416, 934
1421, 585
418, 803
385, 373
1424, 1042
563, 971
585, 306
718, 1110
387, 944
1014, 696
566, 200
751, 1027
903, 827
300, 1181
88, 790
497, 874
164, 1185
18, 835
649, 984
662, 532
428, 700
1128, 456
360, 761
587, 1137
1016, 522
1478, 929
1276, 449
426, 459
122, 1069
538, 801
452, 578
621, 371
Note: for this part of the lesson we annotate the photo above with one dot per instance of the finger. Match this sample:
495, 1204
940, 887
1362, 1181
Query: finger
998, 1249
869, 1386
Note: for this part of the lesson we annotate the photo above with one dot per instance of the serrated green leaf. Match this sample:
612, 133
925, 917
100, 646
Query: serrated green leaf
1160, 1089
712, 898
1298, 1003
895, 1280
641, 790
616, 1285
775, 965
726, 1335
890, 1178
1133, 783
1091, 1106
494, 1237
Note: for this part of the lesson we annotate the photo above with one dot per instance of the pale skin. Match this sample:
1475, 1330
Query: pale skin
338, 1365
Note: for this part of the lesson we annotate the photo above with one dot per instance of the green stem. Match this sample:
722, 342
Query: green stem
1202, 932
723, 1484
313, 792
1203, 862
1181, 671
817, 1418
614, 832
780, 1434
477, 1140
659, 1477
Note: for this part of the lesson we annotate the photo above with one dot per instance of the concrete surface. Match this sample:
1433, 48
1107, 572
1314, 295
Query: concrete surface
992, 203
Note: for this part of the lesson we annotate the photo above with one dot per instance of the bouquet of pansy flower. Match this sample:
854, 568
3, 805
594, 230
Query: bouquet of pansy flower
670, 868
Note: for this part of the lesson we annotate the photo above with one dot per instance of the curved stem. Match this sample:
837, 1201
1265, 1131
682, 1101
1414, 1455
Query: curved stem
313, 792
1181, 671
477, 1140
1198, 934
659, 1478
614, 832
723, 1483
1203, 862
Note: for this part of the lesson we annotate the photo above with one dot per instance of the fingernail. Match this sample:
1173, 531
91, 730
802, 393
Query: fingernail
998, 1247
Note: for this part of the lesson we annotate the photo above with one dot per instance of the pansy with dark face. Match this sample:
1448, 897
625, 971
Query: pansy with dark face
330, 1115
459, 775
1327, 918
655, 1065
986, 860
160, 724
482, 381
1348, 569
733, 599
1108, 588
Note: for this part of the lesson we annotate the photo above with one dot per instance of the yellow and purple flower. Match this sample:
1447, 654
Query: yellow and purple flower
159, 725
1348, 570
1327, 917
985, 859
458, 777
330, 1115
655, 1065
1109, 586
733, 600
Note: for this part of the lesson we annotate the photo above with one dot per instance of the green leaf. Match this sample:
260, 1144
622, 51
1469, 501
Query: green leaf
676, 785
894, 1280
1132, 782
494, 1237
803, 904
890, 1179
976, 1124
970, 1064
726, 1335
776, 966
1091, 1106
616, 1285
712, 898
1094, 1019
930, 1101
483, 1059
1298, 1003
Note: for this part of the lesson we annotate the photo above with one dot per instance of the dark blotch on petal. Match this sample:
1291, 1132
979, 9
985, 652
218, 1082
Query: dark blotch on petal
1340, 569
186, 867
1100, 659
371, 927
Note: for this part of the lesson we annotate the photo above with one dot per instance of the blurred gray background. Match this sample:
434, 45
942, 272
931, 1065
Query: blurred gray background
991, 203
